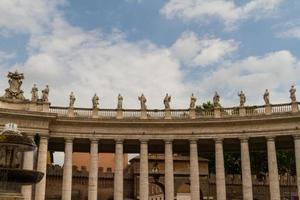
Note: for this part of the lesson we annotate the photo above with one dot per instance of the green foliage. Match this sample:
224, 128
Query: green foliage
205, 107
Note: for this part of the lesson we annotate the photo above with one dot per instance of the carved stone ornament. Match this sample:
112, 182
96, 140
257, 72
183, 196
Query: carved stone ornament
14, 91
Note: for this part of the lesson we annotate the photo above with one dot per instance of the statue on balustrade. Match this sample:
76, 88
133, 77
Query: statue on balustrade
216, 100
242, 99
95, 101
293, 94
72, 100
193, 102
120, 102
34, 93
167, 101
267, 97
143, 101
15, 82
45, 94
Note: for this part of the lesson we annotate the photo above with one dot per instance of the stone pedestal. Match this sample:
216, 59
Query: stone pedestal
268, 109
242, 111
95, 113
71, 112
192, 113
168, 114
143, 114
119, 114
295, 107
217, 112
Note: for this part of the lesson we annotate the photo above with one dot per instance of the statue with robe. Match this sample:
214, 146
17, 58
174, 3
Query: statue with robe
293, 94
120, 102
95, 101
45, 94
167, 101
193, 102
242, 98
143, 101
34, 93
72, 100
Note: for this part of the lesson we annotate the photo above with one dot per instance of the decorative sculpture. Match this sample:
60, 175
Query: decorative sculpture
120, 102
293, 94
95, 101
34, 93
193, 102
167, 101
267, 97
143, 101
45, 94
216, 100
72, 100
242, 99
15, 82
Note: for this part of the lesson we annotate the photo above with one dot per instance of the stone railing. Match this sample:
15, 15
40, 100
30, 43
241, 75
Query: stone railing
175, 113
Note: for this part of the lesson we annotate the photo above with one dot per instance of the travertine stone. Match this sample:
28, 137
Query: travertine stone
192, 113
118, 177
217, 112
297, 158
95, 113
67, 174
169, 171
93, 172
242, 111
71, 112
194, 171
295, 107
144, 176
246, 170
220, 170
268, 109
28, 165
40, 187
273, 170
168, 113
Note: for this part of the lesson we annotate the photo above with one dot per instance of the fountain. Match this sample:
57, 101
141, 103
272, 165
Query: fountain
13, 144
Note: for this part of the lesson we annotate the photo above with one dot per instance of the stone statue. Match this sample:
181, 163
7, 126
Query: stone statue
72, 100
45, 94
34, 93
15, 82
143, 101
167, 101
267, 97
120, 102
95, 101
193, 102
242, 99
216, 100
293, 94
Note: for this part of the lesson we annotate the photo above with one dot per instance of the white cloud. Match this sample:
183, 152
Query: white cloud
29, 16
194, 51
225, 10
292, 32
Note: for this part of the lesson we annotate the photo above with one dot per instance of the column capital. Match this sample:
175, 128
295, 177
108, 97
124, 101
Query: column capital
119, 141
44, 137
218, 140
69, 140
94, 140
168, 141
193, 141
296, 137
244, 139
270, 138
144, 141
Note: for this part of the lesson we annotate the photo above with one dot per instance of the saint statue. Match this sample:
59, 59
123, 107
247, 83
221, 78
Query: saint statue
34, 93
267, 97
120, 102
193, 102
95, 101
72, 100
15, 82
216, 100
242, 99
143, 101
167, 101
45, 94
293, 94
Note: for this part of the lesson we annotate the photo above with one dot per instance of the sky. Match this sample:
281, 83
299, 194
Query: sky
153, 47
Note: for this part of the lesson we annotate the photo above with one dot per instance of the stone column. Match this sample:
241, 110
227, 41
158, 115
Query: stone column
297, 159
194, 171
144, 176
93, 172
220, 170
40, 187
27, 165
67, 174
273, 170
169, 171
246, 170
118, 176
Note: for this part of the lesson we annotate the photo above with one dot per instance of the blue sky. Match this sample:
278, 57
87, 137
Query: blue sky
152, 46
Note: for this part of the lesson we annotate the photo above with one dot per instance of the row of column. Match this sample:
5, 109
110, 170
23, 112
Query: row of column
169, 170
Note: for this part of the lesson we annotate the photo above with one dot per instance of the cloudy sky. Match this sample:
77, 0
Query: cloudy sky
152, 46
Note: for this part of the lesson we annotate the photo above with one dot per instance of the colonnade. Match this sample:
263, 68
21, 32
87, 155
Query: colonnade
169, 172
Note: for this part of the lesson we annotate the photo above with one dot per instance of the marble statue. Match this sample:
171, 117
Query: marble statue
167, 101
193, 102
267, 97
95, 101
45, 94
242, 99
216, 100
120, 102
34, 93
15, 82
293, 94
143, 101
72, 100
